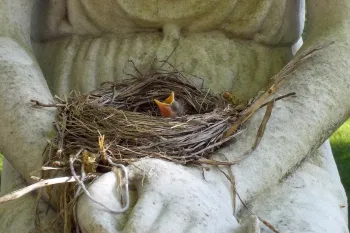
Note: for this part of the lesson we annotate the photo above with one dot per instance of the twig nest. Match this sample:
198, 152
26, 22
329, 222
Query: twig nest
129, 121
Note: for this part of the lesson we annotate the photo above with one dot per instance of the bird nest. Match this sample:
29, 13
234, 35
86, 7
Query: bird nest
123, 122
120, 123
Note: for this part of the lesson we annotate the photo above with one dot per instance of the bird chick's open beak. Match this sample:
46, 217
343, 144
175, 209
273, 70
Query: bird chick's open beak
165, 107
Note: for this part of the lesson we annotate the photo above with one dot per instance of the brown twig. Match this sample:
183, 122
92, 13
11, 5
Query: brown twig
37, 103
292, 94
262, 127
233, 185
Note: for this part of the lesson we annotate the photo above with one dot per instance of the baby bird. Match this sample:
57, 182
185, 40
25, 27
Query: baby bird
170, 107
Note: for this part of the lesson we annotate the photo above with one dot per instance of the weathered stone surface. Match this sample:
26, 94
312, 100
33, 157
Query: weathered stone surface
233, 45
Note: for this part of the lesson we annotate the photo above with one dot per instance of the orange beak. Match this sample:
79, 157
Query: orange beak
165, 106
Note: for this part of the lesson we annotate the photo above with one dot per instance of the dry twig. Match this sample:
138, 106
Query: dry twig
41, 184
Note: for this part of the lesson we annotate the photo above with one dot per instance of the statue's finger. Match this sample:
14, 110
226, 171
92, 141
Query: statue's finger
146, 212
146, 170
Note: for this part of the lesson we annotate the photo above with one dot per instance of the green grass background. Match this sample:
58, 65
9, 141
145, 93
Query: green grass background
340, 142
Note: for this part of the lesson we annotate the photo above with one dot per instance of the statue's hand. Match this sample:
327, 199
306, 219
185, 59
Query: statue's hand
170, 198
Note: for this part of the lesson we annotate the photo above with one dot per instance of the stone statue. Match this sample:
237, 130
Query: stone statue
51, 47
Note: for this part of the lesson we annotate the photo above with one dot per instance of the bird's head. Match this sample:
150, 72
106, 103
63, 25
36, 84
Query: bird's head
169, 107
